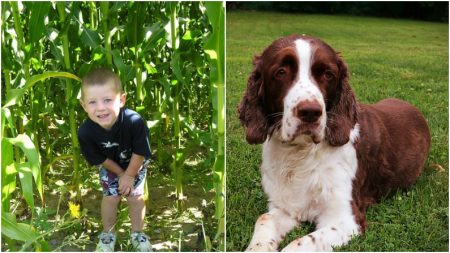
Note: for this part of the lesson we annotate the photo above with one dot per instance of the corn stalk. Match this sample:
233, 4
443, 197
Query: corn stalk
214, 47
71, 100
104, 8
176, 164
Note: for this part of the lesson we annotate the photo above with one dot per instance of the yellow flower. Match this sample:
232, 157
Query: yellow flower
74, 210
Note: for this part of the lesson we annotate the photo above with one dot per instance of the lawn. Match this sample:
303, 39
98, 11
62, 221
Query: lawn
386, 58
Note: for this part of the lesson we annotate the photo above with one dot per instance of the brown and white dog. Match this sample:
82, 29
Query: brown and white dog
326, 157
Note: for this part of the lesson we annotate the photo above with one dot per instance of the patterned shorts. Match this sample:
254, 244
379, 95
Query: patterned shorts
110, 182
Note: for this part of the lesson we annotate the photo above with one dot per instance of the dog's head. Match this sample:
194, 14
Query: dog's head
298, 90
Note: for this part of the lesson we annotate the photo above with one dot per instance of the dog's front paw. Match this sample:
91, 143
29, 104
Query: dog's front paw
262, 247
304, 244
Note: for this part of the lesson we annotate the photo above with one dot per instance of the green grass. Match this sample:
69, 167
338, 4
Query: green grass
386, 58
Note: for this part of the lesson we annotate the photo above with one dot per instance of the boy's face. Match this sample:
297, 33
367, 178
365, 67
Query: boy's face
102, 103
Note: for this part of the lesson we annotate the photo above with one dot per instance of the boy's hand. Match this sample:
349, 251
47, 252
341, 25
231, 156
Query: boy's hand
126, 184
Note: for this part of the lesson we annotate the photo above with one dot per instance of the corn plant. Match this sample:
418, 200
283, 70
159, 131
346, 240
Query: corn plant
158, 51
215, 46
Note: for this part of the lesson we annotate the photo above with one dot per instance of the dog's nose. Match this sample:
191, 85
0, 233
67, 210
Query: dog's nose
308, 111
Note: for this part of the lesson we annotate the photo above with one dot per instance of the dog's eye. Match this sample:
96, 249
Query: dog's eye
328, 75
280, 73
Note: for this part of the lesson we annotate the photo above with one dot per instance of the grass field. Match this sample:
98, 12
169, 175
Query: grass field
386, 58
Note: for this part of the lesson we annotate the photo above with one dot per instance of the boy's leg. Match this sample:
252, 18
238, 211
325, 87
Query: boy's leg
136, 208
136, 203
109, 212
111, 198
110, 203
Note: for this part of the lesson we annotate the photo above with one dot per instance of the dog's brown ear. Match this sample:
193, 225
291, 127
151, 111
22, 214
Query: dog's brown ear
343, 112
251, 111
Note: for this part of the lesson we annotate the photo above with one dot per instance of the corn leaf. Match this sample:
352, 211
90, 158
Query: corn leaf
37, 27
7, 153
90, 38
176, 64
6, 115
135, 24
157, 32
26, 182
55, 48
17, 231
126, 72
16, 94
8, 174
28, 148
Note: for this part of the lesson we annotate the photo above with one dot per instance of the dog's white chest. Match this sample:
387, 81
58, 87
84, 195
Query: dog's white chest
306, 182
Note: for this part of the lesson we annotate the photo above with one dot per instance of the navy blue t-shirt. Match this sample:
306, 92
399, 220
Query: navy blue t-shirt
127, 136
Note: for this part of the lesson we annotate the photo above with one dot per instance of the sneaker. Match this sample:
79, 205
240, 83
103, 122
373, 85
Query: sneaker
106, 242
140, 242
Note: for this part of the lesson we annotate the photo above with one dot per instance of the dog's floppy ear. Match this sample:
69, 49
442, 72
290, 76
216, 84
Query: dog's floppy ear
251, 111
343, 113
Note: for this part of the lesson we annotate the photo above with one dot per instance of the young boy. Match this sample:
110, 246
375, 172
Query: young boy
116, 140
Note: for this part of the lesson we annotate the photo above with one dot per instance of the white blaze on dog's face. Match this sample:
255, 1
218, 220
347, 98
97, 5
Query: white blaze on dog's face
304, 116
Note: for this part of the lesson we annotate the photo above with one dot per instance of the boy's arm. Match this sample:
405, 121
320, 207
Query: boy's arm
113, 167
134, 165
126, 181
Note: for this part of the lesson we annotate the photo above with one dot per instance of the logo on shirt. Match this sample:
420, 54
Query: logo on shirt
109, 144
125, 156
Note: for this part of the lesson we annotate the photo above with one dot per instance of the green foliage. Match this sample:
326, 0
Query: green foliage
215, 48
39, 10
17, 231
26, 170
157, 48
386, 58
14, 95
430, 11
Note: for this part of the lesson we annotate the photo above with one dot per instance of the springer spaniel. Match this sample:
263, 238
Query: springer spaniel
326, 157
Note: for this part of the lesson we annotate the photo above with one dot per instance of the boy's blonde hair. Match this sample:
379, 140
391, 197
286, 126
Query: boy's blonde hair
101, 76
